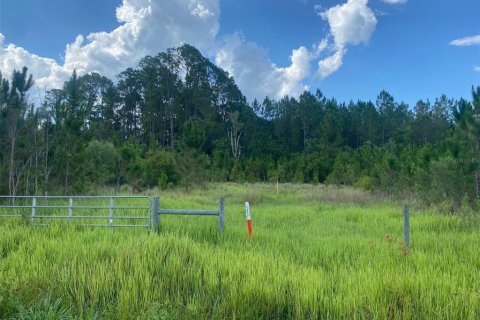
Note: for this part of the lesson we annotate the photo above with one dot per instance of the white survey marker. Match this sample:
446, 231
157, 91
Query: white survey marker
247, 210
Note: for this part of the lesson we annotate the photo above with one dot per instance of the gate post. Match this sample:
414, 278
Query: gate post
111, 213
221, 217
70, 208
156, 215
34, 204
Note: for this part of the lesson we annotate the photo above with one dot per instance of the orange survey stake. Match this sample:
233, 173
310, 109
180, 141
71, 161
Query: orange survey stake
249, 219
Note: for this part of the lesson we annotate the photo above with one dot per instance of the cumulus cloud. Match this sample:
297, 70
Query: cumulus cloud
394, 1
318, 9
146, 27
322, 46
331, 64
47, 71
255, 73
466, 41
477, 69
350, 23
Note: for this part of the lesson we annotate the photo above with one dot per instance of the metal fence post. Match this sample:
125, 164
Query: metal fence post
34, 203
111, 212
70, 210
406, 226
156, 214
221, 217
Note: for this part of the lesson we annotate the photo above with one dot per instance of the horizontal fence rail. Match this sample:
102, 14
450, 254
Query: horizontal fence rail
188, 212
76, 208
157, 212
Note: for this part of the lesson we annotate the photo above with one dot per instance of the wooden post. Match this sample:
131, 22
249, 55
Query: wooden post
156, 214
406, 226
221, 216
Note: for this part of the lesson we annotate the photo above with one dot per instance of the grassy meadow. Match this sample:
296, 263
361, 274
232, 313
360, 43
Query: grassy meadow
317, 253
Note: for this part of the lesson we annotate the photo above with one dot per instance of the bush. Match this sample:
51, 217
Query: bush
365, 182
445, 182
160, 170
102, 162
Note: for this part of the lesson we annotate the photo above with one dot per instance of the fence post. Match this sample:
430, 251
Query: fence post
156, 215
221, 217
70, 213
34, 203
111, 212
406, 225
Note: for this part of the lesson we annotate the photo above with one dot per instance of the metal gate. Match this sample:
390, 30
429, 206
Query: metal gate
93, 211
96, 211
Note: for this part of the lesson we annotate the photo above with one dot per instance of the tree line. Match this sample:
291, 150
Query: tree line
177, 119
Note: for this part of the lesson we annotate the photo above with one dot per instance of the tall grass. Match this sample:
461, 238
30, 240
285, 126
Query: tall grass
316, 254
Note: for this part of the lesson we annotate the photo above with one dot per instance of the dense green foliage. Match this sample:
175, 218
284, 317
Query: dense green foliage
317, 253
177, 119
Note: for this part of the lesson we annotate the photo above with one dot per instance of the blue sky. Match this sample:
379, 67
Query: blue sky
406, 47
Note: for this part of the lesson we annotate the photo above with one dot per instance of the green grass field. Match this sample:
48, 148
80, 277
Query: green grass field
317, 253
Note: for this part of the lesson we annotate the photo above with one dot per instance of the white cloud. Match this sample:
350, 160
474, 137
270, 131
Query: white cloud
466, 41
320, 47
201, 11
47, 72
295, 73
255, 74
394, 1
146, 27
350, 23
331, 64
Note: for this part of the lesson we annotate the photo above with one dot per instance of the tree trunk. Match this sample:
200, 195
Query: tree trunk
36, 162
383, 134
47, 171
477, 183
171, 128
477, 174
304, 137
66, 180
235, 142
18, 175
12, 131
117, 185
163, 132
11, 169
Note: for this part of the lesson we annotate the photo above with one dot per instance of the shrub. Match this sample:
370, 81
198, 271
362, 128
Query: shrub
160, 169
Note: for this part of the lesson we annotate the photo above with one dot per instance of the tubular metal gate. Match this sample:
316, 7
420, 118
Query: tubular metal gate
86, 210
80, 210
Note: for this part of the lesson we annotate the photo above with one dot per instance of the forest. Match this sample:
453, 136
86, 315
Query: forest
177, 120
